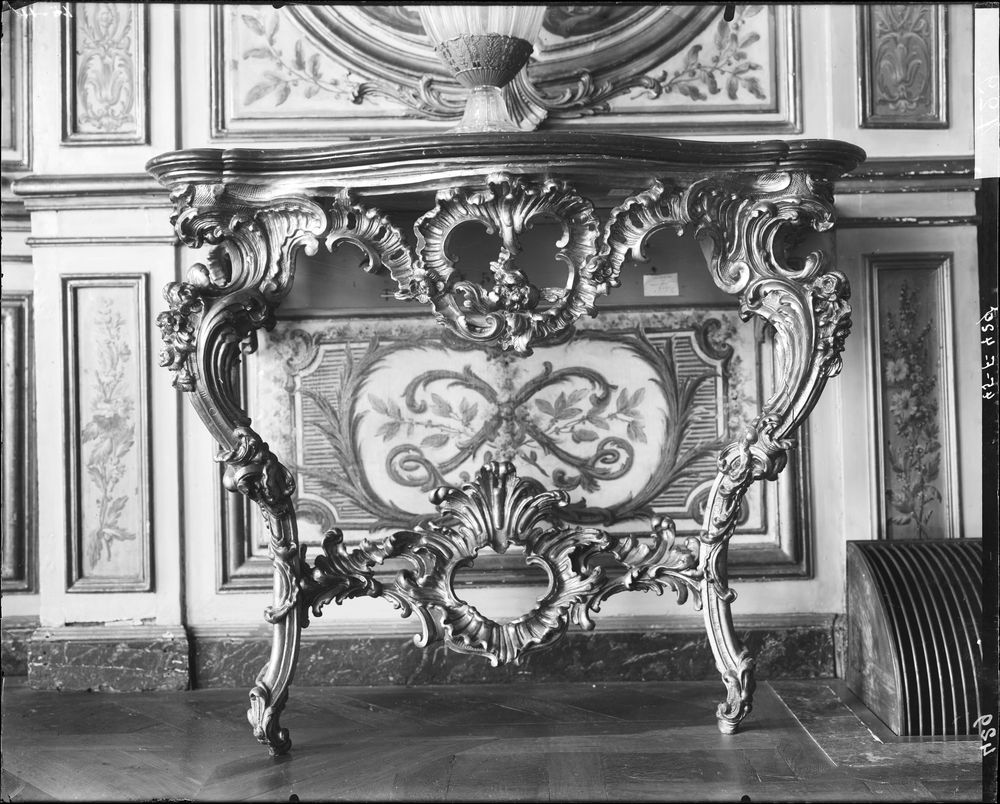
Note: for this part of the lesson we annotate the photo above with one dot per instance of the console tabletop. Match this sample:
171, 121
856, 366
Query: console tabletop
749, 203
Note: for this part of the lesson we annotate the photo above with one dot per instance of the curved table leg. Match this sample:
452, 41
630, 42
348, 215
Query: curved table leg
749, 225
253, 470
733, 660
212, 322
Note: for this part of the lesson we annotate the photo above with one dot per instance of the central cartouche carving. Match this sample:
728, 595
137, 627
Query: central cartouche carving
499, 510
507, 312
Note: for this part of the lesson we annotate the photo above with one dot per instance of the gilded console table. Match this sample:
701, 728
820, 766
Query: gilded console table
748, 203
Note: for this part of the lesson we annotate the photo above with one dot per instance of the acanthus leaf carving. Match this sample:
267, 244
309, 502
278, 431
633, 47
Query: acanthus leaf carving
631, 224
740, 686
382, 243
254, 471
248, 272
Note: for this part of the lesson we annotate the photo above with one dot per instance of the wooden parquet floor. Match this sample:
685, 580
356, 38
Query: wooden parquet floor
542, 742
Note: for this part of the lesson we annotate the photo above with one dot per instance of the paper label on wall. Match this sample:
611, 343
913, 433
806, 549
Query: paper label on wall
660, 285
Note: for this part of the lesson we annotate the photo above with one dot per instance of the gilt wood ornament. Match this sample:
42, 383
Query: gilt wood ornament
749, 203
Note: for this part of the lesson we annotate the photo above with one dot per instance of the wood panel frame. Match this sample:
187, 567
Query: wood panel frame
70, 134
941, 264
76, 581
18, 156
243, 564
784, 118
20, 534
868, 116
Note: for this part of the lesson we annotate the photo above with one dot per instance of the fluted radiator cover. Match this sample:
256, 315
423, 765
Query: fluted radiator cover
914, 649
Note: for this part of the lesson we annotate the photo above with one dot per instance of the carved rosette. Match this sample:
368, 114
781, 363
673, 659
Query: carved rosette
498, 510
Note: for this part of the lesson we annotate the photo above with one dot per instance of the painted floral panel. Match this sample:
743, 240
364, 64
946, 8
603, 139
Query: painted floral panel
627, 417
109, 485
917, 474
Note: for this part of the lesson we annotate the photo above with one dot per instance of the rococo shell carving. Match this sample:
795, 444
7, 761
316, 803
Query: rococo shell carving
500, 510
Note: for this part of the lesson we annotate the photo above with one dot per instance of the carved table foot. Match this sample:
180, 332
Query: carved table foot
733, 660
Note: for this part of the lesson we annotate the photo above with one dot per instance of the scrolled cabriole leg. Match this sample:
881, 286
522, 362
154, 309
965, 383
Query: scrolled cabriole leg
211, 323
747, 224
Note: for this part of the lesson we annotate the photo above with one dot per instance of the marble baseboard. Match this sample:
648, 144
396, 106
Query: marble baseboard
14, 636
109, 659
793, 652
139, 658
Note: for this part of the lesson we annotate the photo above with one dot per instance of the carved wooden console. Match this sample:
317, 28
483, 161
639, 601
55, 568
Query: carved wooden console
747, 202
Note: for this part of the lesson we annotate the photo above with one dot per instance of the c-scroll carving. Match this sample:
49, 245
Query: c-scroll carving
247, 275
499, 510
631, 224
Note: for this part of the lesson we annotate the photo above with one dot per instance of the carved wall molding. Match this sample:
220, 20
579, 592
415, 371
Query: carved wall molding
751, 205
903, 65
341, 69
107, 433
19, 537
916, 467
15, 65
105, 80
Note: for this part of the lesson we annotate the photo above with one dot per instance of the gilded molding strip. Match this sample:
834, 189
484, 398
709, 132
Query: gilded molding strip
105, 74
903, 65
107, 435
19, 508
132, 240
901, 221
916, 467
15, 65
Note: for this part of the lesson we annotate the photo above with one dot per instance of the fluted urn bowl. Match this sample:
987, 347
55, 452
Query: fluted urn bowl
484, 47
485, 59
